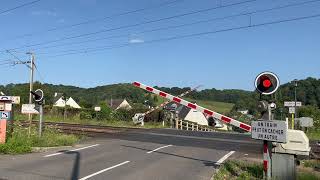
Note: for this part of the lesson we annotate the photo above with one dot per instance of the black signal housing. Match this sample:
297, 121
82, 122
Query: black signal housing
267, 83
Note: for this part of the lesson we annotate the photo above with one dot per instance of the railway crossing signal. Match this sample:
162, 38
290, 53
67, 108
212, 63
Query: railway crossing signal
38, 96
267, 83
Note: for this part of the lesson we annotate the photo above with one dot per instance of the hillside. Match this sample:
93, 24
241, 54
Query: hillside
308, 92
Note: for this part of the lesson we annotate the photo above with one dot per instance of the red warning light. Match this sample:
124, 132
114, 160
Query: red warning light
266, 83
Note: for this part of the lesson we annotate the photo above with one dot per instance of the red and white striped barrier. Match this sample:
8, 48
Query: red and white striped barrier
221, 117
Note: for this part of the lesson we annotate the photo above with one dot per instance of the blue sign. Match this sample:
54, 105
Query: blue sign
5, 115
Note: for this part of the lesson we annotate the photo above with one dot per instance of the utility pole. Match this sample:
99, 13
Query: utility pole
295, 100
32, 59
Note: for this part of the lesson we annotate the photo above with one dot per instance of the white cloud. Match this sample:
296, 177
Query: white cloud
136, 40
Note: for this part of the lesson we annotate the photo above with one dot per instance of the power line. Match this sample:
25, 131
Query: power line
194, 35
40, 75
20, 6
102, 18
17, 58
187, 24
138, 24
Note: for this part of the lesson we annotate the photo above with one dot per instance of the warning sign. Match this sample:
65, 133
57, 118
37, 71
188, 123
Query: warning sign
275, 131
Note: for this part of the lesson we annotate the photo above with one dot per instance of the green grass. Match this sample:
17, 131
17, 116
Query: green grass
311, 163
77, 120
307, 176
21, 143
220, 107
314, 134
241, 170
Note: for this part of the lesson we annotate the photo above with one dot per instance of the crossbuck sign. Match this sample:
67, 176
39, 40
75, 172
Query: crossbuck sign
275, 131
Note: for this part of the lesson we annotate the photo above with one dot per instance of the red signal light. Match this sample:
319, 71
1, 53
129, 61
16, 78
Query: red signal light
267, 83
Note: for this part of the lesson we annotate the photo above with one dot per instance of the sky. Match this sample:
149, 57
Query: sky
109, 49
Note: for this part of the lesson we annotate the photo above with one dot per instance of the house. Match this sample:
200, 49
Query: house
188, 114
116, 104
60, 102
244, 112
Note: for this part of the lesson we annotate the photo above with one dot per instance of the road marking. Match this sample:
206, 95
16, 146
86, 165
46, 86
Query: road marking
224, 158
79, 149
205, 138
104, 170
159, 148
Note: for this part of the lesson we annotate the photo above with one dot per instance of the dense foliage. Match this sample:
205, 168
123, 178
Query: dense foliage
308, 92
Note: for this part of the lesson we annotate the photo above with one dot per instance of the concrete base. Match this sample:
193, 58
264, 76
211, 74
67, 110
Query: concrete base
283, 166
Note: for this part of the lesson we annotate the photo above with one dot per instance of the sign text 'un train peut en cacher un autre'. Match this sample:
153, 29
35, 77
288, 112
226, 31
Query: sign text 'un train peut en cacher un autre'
275, 131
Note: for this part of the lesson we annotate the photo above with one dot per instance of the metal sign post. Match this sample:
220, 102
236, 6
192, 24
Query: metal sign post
292, 109
266, 83
5, 115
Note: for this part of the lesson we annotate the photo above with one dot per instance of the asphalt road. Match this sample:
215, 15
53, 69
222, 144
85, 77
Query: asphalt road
160, 154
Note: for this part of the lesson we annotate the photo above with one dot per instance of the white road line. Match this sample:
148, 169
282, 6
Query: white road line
79, 149
104, 170
159, 148
224, 158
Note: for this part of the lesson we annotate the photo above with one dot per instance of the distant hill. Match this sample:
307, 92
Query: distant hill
308, 92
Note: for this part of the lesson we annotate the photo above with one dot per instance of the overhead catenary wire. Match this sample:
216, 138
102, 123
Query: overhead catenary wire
161, 4
136, 24
17, 58
193, 35
184, 25
19, 6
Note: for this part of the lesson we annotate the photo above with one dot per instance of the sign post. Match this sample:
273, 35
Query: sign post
292, 109
5, 114
38, 97
266, 83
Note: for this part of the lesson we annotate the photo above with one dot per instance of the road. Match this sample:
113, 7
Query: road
136, 155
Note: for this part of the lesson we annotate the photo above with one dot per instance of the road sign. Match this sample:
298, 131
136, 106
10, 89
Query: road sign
15, 99
292, 110
275, 131
292, 103
2, 106
29, 109
97, 108
7, 106
5, 98
4, 115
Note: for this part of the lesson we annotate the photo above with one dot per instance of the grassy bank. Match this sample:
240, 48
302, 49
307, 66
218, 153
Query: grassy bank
21, 143
314, 134
77, 120
242, 170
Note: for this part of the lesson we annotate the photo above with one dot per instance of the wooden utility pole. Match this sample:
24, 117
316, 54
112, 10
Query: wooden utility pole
32, 59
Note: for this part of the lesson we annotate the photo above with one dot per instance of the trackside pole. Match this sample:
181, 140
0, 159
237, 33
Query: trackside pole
178, 100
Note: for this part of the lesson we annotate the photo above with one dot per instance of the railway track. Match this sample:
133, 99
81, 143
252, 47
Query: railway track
81, 128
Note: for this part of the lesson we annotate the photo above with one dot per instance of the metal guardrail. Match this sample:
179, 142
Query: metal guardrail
191, 126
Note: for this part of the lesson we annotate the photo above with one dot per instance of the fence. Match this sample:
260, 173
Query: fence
191, 126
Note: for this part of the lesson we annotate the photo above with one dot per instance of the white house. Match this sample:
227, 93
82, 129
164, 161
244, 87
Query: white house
188, 114
244, 112
60, 102
116, 104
